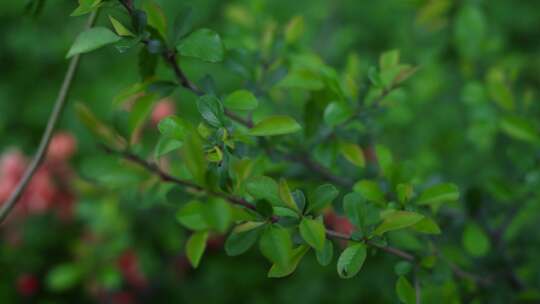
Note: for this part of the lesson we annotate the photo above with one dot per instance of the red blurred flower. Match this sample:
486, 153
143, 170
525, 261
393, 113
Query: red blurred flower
27, 285
338, 223
162, 109
62, 147
129, 266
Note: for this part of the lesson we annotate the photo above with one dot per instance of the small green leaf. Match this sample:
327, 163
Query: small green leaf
195, 247
92, 39
353, 153
279, 271
302, 79
194, 158
265, 188
264, 208
85, 7
286, 196
370, 190
389, 59
156, 17
173, 127
275, 125
358, 211
119, 28
63, 277
322, 197
242, 100
294, 29
313, 232
475, 240
167, 145
218, 214
520, 128
402, 268
398, 220
337, 113
351, 260
140, 111
211, 110
191, 215
96, 126
427, 225
405, 291
404, 193
276, 245
286, 212
439, 194
203, 44
324, 257
239, 242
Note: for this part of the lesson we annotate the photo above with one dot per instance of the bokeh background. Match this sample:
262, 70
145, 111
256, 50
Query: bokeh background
85, 237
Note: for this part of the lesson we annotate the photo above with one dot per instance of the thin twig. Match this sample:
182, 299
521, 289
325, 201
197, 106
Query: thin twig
39, 156
166, 177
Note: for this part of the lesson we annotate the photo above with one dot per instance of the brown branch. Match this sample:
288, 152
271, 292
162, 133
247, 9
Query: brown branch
41, 152
166, 177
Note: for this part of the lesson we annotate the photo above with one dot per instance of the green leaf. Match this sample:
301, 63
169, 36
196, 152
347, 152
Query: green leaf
470, 31
242, 100
156, 17
119, 28
275, 125
194, 157
276, 245
351, 260
211, 110
302, 79
404, 193
202, 44
322, 197
265, 188
286, 212
286, 196
167, 145
370, 190
173, 127
475, 240
97, 127
324, 256
63, 277
520, 129
337, 113
92, 39
191, 215
264, 208
294, 29
389, 59
427, 225
239, 242
195, 247
405, 291
85, 7
279, 271
182, 25
358, 211
499, 89
140, 111
218, 214
438, 194
353, 153
313, 232
398, 220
